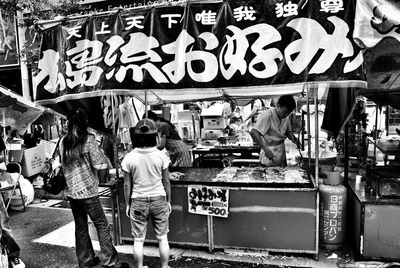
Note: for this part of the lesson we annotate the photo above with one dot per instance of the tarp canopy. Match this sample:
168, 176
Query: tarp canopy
189, 51
377, 27
382, 64
16, 111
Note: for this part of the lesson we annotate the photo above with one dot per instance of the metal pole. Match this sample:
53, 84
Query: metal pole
387, 119
346, 152
4, 134
210, 225
23, 65
114, 133
194, 125
116, 163
316, 136
145, 103
376, 131
4, 123
308, 127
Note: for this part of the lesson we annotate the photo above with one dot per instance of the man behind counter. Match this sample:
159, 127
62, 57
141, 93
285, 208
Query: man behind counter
271, 130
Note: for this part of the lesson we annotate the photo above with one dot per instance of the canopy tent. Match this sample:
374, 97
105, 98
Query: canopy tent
197, 50
383, 72
16, 111
377, 30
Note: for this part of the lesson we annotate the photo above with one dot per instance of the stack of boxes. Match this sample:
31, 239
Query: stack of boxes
214, 122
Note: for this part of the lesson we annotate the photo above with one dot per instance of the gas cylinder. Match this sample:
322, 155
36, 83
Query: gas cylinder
332, 220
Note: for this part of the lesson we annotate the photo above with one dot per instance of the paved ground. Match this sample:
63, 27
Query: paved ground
46, 237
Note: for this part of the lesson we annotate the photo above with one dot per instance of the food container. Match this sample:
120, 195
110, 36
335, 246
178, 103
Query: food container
326, 160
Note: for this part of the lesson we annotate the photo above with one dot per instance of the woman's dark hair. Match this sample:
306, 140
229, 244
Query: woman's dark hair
14, 133
144, 140
287, 101
76, 136
153, 116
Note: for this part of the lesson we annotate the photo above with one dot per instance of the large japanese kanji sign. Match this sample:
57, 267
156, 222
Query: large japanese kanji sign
220, 45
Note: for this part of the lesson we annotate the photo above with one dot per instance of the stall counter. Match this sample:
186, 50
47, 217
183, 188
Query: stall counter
201, 154
268, 216
373, 224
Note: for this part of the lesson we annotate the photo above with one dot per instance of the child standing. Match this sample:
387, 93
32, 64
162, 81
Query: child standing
147, 190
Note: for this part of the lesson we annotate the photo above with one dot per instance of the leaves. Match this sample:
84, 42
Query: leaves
36, 10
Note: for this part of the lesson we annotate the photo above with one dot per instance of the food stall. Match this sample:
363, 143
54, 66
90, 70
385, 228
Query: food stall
374, 198
273, 209
243, 50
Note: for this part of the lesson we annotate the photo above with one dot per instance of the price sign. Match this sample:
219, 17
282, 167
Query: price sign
207, 200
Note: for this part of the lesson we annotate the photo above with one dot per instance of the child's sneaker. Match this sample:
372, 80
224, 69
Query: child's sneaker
17, 263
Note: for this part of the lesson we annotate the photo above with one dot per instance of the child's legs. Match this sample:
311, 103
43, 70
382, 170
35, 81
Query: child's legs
163, 247
159, 211
139, 216
138, 252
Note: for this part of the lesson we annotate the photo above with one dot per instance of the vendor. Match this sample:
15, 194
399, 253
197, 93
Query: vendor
271, 130
235, 125
171, 141
258, 106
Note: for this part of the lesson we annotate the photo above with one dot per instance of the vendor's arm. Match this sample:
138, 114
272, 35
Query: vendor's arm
127, 190
259, 139
252, 113
256, 106
290, 135
293, 138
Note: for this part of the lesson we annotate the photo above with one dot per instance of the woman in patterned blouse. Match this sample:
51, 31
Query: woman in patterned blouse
83, 164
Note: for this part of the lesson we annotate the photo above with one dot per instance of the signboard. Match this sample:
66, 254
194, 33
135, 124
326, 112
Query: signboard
208, 200
332, 212
212, 45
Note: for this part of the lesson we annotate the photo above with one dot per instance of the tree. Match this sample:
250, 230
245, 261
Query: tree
31, 11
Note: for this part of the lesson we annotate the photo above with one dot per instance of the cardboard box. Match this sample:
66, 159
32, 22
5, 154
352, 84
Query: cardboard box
211, 134
33, 161
217, 122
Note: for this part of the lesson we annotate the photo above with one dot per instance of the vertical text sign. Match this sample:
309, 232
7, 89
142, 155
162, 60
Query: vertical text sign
207, 200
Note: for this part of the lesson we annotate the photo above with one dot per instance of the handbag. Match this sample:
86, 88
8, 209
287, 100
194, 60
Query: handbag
53, 177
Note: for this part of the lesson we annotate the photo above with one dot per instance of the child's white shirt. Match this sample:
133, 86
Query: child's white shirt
146, 166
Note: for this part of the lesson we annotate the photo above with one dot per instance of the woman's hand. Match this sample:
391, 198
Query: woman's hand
268, 153
169, 207
127, 211
298, 144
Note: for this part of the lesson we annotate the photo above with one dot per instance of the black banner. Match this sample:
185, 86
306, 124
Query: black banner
228, 45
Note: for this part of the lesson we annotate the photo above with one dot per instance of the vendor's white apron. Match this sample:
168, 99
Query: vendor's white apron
279, 158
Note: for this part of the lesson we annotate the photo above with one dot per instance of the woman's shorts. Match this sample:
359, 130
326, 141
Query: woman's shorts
153, 208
